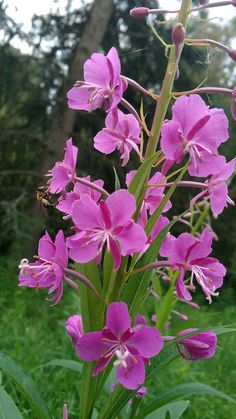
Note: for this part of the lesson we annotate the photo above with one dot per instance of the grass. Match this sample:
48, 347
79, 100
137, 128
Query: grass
33, 333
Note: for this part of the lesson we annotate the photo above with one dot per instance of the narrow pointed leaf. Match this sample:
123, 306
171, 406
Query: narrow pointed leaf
173, 410
140, 177
65, 363
117, 180
180, 391
8, 409
25, 385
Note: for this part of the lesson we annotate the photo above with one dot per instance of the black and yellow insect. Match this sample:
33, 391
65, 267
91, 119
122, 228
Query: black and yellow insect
43, 197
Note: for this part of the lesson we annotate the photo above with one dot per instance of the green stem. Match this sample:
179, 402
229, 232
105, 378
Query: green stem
204, 214
165, 95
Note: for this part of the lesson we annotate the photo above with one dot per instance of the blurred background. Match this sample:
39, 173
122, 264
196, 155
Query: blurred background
43, 46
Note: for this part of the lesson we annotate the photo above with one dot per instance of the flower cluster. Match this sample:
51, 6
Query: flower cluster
118, 231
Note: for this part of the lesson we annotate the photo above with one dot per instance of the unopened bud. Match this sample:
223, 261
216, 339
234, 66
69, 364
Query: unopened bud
177, 74
232, 54
139, 12
203, 2
234, 3
233, 107
178, 34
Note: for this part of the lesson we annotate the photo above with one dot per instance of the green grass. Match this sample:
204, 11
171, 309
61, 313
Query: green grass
33, 333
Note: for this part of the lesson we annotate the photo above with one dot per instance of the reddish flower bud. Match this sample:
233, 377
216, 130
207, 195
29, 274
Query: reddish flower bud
178, 34
203, 2
202, 345
233, 107
139, 12
234, 3
232, 54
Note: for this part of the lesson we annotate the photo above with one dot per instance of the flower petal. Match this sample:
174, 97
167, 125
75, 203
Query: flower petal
132, 376
147, 341
118, 319
91, 346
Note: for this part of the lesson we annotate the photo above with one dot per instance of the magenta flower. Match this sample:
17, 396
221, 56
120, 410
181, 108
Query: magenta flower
202, 345
48, 270
109, 222
64, 172
188, 254
217, 189
102, 85
132, 347
67, 199
74, 327
122, 133
198, 131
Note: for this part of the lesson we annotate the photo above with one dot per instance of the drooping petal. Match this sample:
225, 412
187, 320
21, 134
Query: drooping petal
61, 254
46, 247
91, 346
115, 251
218, 198
134, 375
207, 165
147, 341
170, 139
181, 289
79, 99
60, 178
105, 142
118, 318
71, 153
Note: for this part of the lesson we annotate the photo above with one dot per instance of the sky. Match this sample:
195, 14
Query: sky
22, 11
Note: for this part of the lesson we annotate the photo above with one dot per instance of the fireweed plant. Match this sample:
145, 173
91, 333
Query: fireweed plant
121, 246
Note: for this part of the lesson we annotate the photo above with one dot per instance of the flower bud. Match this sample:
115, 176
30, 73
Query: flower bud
233, 104
74, 328
177, 74
232, 54
203, 2
202, 345
178, 34
139, 12
234, 3
65, 412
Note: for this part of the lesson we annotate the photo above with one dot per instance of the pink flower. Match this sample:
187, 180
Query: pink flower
217, 189
122, 133
202, 345
153, 195
64, 172
48, 270
74, 327
108, 222
67, 199
102, 85
186, 253
198, 131
132, 347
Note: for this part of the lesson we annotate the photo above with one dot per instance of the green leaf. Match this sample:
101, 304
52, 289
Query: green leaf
137, 183
180, 391
26, 386
164, 308
65, 363
137, 287
8, 409
93, 315
174, 411
117, 180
